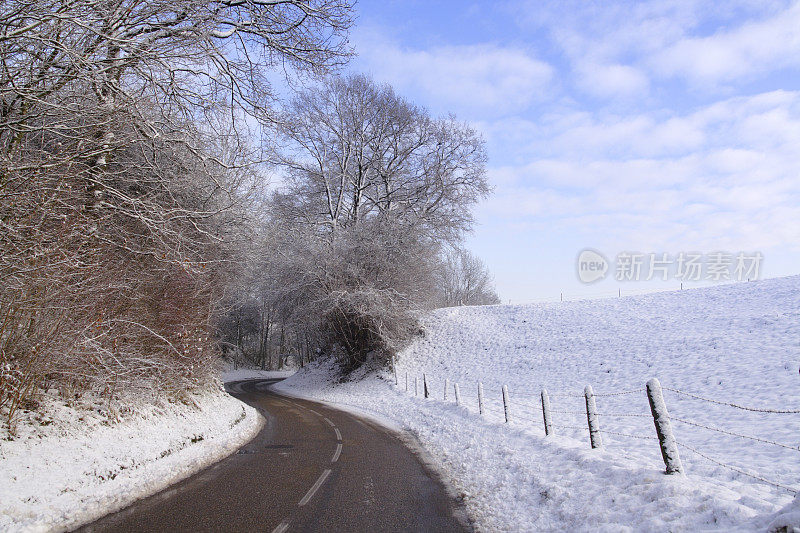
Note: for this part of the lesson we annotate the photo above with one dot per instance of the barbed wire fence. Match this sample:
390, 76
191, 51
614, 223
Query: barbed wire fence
536, 411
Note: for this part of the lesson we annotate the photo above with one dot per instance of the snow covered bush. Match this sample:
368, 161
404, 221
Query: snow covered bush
356, 290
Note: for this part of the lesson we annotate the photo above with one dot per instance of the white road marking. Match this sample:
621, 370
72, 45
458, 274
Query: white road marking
328, 420
337, 452
338, 433
313, 411
283, 526
314, 488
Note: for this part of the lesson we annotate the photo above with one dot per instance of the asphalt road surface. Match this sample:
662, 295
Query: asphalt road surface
312, 468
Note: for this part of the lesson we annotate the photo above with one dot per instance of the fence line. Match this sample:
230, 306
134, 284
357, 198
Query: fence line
531, 411
565, 296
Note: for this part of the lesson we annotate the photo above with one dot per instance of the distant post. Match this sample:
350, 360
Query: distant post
457, 392
591, 416
425, 386
480, 397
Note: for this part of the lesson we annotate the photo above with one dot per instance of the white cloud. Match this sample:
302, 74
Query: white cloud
612, 80
743, 52
622, 48
636, 166
483, 76
724, 176
762, 123
604, 42
583, 136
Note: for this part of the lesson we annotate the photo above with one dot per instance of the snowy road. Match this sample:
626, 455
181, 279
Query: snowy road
311, 468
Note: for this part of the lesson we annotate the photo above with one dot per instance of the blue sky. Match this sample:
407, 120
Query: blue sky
662, 126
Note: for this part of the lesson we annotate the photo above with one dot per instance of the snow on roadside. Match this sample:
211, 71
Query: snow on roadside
737, 343
69, 465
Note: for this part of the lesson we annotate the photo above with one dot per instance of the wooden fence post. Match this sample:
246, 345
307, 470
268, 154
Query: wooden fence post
548, 423
446, 386
591, 417
394, 368
406, 380
416, 386
506, 405
425, 390
666, 440
480, 397
457, 392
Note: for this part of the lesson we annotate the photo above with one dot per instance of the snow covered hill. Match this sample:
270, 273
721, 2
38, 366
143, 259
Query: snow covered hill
734, 344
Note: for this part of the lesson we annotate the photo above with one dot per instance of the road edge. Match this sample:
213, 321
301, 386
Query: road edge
190, 468
410, 440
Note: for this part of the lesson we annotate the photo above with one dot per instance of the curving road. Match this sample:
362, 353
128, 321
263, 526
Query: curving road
312, 468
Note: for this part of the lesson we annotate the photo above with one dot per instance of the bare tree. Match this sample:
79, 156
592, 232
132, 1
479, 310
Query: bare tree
356, 150
190, 58
374, 187
463, 279
125, 172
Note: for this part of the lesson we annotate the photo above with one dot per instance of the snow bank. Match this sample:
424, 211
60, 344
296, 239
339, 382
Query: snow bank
787, 520
736, 344
70, 465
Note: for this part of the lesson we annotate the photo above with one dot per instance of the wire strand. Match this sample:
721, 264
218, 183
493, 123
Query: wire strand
739, 470
627, 415
644, 437
622, 393
726, 432
744, 408
599, 395
570, 427
582, 413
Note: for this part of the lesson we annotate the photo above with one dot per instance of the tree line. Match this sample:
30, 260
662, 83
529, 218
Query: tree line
138, 233
365, 229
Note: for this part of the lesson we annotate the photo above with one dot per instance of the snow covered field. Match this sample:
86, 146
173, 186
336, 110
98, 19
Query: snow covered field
736, 344
70, 465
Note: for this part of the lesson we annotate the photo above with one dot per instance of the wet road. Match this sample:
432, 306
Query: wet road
311, 468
